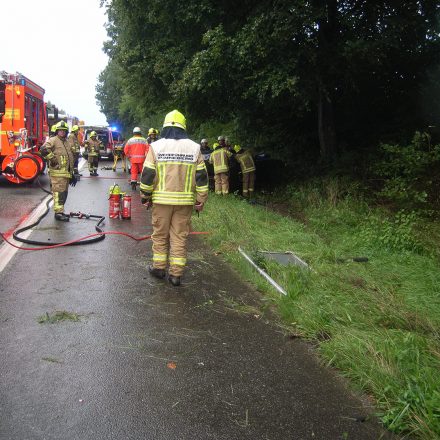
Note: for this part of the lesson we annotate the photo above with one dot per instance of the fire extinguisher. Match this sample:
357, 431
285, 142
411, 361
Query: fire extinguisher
114, 200
126, 207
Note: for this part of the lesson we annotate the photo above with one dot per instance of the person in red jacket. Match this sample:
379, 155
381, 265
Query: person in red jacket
136, 150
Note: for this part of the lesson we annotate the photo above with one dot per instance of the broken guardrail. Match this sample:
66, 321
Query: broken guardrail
262, 272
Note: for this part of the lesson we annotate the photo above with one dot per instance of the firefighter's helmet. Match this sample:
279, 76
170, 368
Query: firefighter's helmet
53, 129
175, 119
151, 131
93, 134
137, 130
237, 148
75, 128
204, 141
62, 126
221, 138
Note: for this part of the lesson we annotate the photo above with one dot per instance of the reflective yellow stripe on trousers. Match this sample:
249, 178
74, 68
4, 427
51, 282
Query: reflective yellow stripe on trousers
177, 261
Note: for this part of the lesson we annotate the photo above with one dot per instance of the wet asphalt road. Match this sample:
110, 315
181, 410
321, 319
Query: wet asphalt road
17, 201
149, 361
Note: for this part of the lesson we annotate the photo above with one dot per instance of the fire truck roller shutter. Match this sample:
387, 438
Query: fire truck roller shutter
27, 167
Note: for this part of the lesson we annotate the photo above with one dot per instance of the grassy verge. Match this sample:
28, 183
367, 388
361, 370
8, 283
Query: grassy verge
378, 322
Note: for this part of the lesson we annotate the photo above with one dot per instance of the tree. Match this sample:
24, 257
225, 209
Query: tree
309, 79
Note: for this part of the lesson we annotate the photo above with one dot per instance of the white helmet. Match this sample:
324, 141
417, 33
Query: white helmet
137, 130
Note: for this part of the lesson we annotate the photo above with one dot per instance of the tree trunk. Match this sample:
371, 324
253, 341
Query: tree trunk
327, 40
326, 127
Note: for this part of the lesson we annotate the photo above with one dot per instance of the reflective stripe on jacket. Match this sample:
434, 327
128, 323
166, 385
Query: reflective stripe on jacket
219, 158
246, 161
136, 149
73, 141
59, 155
174, 173
92, 147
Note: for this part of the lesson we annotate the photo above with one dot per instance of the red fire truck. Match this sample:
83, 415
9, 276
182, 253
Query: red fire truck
23, 127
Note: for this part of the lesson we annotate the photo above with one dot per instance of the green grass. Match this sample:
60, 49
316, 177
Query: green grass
57, 316
377, 322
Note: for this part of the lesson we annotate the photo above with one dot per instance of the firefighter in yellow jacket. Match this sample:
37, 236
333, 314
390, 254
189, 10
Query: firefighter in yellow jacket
247, 165
57, 152
73, 140
220, 160
175, 181
92, 150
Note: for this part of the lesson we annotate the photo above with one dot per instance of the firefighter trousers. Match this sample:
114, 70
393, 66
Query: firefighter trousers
93, 163
171, 227
75, 165
221, 183
248, 183
60, 187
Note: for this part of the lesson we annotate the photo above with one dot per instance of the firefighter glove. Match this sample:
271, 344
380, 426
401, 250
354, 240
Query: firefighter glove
73, 180
198, 207
146, 201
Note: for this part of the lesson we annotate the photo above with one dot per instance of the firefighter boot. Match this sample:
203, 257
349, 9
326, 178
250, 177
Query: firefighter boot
60, 216
175, 281
157, 273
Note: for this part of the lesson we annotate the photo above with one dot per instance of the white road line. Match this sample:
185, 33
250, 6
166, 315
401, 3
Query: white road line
82, 164
7, 251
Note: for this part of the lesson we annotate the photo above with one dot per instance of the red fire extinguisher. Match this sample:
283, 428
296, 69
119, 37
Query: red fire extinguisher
114, 206
126, 207
114, 202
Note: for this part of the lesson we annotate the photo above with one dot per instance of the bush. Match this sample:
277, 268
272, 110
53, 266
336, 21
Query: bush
408, 172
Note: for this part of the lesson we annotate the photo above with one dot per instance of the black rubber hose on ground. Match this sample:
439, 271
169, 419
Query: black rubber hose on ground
42, 243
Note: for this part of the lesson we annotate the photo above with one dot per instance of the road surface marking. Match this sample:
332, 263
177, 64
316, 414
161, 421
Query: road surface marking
7, 252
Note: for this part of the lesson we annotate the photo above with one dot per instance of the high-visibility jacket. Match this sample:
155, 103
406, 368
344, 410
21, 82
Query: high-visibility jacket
59, 155
72, 138
220, 159
246, 161
91, 147
136, 149
174, 173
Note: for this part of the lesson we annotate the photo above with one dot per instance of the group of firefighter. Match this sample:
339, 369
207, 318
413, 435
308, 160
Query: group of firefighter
220, 156
174, 180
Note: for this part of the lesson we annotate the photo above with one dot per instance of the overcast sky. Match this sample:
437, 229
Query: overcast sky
58, 45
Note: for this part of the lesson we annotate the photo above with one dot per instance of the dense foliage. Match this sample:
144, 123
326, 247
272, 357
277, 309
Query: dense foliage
310, 79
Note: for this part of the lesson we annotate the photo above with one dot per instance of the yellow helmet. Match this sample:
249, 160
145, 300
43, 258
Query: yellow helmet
62, 126
151, 131
53, 129
75, 128
93, 134
175, 119
237, 148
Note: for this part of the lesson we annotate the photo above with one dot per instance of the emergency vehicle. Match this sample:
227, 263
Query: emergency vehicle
105, 135
23, 127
